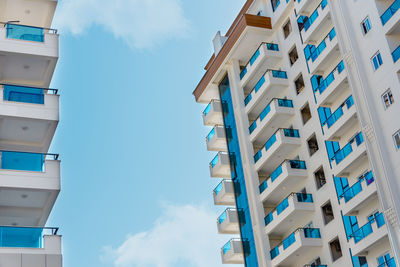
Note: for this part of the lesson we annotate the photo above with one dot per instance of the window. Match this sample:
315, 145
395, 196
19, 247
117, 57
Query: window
387, 99
306, 113
293, 56
372, 216
365, 25
396, 138
376, 60
312, 145
287, 29
336, 250
320, 179
327, 212
275, 4
385, 260
316, 262
299, 83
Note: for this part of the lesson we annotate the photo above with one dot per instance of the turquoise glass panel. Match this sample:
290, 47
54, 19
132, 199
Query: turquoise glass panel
22, 161
27, 33
17, 237
23, 94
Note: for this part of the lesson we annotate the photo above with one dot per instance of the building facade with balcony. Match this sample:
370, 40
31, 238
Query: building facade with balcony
302, 97
29, 115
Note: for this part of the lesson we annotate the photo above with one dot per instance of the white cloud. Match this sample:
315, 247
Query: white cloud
140, 23
181, 234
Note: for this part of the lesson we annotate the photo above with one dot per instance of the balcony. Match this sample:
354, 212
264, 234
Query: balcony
271, 84
228, 222
30, 183
313, 26
391, 17
27, 247
350, 156
28, 52
278, 147
304, 243
29, 117
296, 209
216, 139
280, 10
212, 114
266, 56
341, 120
232, 252
283, 180
277, 113
330, 88
224, 193
369, 236
220, 166
359, 195
305, 6
320, 58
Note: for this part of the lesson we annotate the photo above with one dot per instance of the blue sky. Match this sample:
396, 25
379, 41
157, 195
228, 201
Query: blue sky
136, 189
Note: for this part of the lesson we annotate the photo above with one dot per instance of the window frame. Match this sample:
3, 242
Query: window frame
397, 145
388, 93
365, 23
379, 61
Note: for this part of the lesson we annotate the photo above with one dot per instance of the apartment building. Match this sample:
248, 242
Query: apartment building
302, 100
29, 115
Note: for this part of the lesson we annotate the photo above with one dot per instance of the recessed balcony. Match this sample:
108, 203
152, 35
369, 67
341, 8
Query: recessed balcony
212, 114
232, 252
317, 23
369, 236
294, 210
277, 113
320, 58
220, 166
28, 116
304, 7
391, 17
30, 183
266, 56
271, 85
224, 193
278, 147
334, 84
216, 139
29, 54
304, 243
350, 156
359, 195
283, 180
341, 120
281, 9
26, 247
228, 222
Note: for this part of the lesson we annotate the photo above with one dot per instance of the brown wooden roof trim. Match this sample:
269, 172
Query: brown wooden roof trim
245, 21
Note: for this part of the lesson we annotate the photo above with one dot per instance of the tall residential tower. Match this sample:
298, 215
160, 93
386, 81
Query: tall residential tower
29, 114
304, 107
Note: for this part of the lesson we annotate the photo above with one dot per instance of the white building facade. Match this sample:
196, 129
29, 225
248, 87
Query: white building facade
302, 97
29, 115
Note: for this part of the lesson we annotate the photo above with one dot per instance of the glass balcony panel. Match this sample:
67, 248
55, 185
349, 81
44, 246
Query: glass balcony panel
282, 206
222, 217
22, 161
305, 198
226, 247
17, 237
279, 74
27, 33
269, 218
289, 241
211, 134
312, 233
396, 54
291, 133
263, 186
298, 164
276, 173
214, 161
274, 252
207, 109
388, 14
23, 94
218, 188
285, 103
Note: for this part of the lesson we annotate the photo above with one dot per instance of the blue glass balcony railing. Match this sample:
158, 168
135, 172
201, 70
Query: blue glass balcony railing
301, 197
347, 149
396, 54
329, 78
388, 14
275, 73
208, 107
24, 161
287, 132
211, 134
288, 241
228, 245
222, 217
355, 189
269, 46
366, 229
214, 161
306, 22
312, 52
281, 102
294, 164
219, 187
24, 237
25, 94
23, 32
338, 113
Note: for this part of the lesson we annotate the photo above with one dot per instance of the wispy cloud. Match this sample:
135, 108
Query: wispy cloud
140, 23
181, 234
